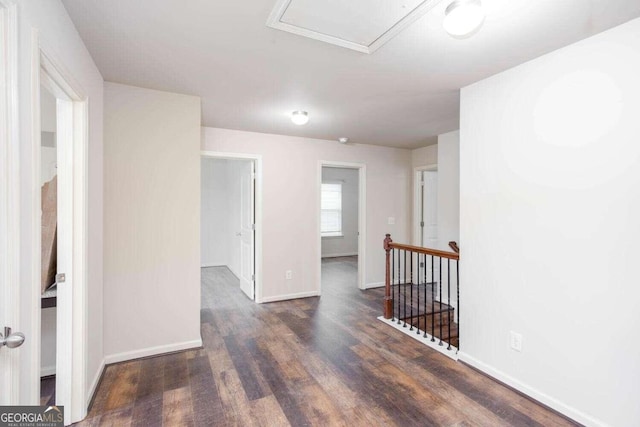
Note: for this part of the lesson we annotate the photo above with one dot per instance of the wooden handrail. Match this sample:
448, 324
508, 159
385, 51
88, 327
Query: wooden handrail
427, 251
454, 245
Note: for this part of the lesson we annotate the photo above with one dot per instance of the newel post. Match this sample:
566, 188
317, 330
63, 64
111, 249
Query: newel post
388, 303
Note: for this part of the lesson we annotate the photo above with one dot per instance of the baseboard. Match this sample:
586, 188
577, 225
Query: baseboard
213, 264
152, 351
531, 392
94, 384
374, 285
47, 371
290, 296
442, 349
340, 255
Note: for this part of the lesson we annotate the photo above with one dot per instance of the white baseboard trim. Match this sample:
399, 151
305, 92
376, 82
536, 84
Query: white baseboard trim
290, 296
152, 351
94, 384
213, 264
340, 255
374, 285
442, 349
541, 397
47, 371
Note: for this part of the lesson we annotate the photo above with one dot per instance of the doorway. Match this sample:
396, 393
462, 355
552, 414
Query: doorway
231, 218
341, 219
66, 271
48, 243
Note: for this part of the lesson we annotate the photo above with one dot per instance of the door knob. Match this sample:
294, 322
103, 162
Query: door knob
11, 340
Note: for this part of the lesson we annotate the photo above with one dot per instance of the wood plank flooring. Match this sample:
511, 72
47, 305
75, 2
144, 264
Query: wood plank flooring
310, 362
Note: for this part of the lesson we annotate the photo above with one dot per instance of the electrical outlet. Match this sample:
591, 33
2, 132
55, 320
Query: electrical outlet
391, 220
288, 275
516, 341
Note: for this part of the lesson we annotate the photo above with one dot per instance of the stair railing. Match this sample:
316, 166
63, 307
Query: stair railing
422, 291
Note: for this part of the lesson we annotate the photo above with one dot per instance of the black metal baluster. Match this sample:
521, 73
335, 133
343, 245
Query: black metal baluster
449, 301
433, 304
398, 284
440, 297
424, 281
404, 288
458, 306
411, 290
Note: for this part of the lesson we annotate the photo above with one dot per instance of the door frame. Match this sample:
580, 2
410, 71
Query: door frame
9, 197
257, 160
362, 218
72, 331
417, 202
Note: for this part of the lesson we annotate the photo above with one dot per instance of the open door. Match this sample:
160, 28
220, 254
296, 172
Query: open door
247, 229
429, 209
11, 356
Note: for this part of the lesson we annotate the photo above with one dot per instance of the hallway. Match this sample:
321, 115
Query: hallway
314, 361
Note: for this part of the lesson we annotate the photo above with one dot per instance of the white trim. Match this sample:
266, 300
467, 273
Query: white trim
416, 200
442, 349
257, 159
47, 371
279, 9
374, 285
72, 333
339, 255
95, 382
533, 393
290, 296
152, 351
9, 197
362, 216
35, 218
214, 265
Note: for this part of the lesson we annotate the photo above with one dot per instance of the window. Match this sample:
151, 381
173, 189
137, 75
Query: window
331, 209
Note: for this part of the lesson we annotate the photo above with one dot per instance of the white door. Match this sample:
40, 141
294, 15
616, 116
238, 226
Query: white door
9, 208
430, 224
247, 228
430, 209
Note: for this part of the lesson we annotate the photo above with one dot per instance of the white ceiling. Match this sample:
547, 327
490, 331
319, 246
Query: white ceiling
251, 76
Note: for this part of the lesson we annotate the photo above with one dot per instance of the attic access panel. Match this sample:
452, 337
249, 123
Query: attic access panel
362, 25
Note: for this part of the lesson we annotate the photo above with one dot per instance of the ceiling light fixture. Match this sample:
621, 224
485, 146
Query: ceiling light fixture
343, 140
300, 117
463, 17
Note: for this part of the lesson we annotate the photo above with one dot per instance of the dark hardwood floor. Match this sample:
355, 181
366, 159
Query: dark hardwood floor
310, 362
48, 390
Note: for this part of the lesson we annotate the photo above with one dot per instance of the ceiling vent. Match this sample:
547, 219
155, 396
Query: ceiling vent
362, 25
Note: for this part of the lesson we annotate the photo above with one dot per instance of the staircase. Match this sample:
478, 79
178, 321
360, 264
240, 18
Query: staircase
424, 304
426, 314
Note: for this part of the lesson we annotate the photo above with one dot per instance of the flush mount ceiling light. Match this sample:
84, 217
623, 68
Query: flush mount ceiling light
300, 117
463, 17
343, 140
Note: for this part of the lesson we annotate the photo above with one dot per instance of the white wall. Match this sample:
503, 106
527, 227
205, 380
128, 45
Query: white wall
347, 244
550, 172
448, 189
152, 222
58, 34
214, 228
424, 156
48, 342
292, 202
